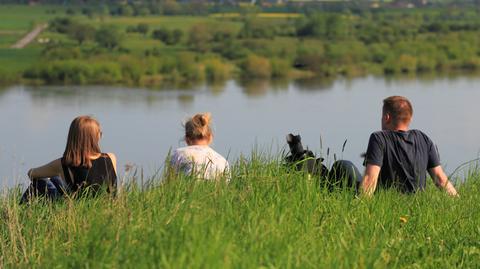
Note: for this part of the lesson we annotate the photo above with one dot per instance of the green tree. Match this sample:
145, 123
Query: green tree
169, 37
200, 37
108, 37
143, 28
81, 33
126, 10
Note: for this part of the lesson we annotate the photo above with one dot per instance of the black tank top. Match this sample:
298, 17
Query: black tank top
100, 175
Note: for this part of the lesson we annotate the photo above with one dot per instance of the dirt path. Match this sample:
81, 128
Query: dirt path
29, 37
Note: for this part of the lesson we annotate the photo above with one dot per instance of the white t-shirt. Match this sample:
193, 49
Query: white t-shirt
200, 160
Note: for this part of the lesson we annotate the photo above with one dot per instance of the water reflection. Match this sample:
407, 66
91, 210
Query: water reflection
314, 84
255, 87
186, 99
217, 87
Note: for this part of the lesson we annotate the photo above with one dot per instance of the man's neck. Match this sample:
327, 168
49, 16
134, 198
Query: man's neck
402, 128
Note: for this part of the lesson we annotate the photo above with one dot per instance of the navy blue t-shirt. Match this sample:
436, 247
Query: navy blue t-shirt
404, 158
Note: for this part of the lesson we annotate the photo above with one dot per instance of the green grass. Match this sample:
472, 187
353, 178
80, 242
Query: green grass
17, 60
183, 23
23, 17
264, 218
8, 39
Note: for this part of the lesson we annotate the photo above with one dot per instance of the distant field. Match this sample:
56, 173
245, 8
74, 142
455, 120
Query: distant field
170, 22
15, 60
260, 15
24, 17
9, 38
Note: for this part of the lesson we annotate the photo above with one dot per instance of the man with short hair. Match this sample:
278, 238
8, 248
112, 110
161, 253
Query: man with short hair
398, 157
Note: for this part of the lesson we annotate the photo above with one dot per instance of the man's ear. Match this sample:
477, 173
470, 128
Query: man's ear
387, 118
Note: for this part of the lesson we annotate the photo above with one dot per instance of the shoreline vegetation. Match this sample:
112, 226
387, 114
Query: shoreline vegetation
267, 216
126, 45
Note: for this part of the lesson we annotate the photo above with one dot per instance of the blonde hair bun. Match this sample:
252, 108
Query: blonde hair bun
198, 126
202, 119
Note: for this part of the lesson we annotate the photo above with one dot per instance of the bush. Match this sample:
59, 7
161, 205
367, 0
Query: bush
169, 37
171, 7
60, 25
7, 76
200, 37
379, 52
331, 26
66, 72
75, 72
106, 73
216, 70
188, 68
313, 60
126, 10
280, 67
256, 67
407, 63
132, 69
426, 64
81, 32
232, 50
143, 28
62, 53
108, 37
256, 29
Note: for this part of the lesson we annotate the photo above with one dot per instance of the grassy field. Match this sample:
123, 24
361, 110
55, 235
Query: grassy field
265, 218
23, 17
170, 22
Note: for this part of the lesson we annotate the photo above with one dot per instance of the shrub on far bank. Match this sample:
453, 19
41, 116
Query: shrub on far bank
256, 67
132, 69
200, 37
216, 70
188, 67
407, 63
7, 76
75, 72
312, 60
280, 67
400, 64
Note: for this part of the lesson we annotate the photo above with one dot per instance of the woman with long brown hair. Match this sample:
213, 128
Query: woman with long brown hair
83, 167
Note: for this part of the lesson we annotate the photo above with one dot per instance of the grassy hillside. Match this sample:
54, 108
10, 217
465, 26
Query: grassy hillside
265, 218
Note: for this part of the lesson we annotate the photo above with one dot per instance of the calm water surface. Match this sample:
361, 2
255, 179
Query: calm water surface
141, 125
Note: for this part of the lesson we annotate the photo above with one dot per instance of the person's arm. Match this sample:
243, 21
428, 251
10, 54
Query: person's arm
441, 180
51, 169
373, 164
435, 170
370, 179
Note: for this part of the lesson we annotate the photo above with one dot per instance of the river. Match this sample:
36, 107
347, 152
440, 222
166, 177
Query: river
141, 125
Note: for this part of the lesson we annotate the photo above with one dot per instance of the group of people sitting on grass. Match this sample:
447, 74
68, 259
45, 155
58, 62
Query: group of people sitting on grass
396, 157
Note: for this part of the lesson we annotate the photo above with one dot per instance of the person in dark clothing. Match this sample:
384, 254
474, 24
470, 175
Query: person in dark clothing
400, 158
82, 168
